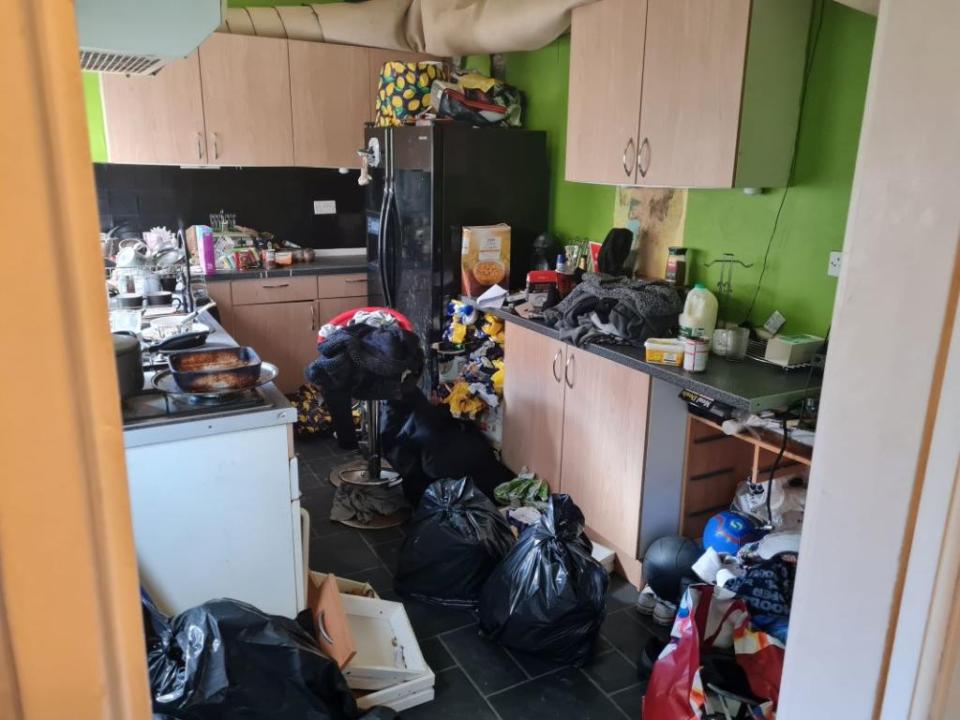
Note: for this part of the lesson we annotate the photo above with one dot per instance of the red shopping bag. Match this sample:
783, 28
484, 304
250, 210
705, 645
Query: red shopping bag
710, 618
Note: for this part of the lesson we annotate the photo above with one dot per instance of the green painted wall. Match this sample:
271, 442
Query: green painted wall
814, 214
95, 126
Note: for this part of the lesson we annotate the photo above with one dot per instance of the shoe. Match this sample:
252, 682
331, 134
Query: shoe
647, 601
664, 613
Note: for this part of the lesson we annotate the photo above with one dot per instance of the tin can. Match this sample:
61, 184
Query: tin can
269, 259
695, 354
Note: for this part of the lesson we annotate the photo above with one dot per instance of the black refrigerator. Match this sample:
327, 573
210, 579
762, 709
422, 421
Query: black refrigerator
426, 184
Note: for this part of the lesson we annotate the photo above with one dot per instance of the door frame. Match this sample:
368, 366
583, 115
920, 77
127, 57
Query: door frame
882, 477
71, 635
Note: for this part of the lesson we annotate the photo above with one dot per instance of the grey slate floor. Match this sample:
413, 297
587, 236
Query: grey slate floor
477, 679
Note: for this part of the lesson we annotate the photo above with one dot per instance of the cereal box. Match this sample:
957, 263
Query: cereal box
484, 258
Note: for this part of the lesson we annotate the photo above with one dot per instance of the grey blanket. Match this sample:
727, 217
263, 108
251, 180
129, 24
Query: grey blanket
364, 503
620, 310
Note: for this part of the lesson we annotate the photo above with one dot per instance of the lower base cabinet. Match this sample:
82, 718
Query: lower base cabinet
580, 422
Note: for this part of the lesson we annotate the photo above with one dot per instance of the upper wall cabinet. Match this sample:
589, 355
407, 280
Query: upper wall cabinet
158, 119
331, 102
246, 100
694, 94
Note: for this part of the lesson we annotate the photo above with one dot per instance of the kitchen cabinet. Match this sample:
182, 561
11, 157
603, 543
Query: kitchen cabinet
279, 316
156, 119
533, 404
331, 97
604, 441
246, 100
606, 64
580, 422
709, 92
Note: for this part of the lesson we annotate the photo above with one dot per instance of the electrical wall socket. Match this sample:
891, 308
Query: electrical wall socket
324, 207
836, 260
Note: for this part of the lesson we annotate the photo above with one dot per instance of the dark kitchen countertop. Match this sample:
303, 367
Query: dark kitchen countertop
334, 265
747, 384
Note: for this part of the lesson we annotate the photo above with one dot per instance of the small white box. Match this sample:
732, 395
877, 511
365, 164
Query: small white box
788, 350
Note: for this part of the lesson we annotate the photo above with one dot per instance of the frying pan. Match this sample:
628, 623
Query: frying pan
202, 371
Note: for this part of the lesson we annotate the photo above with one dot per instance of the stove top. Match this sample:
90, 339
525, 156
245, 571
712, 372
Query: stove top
151, 406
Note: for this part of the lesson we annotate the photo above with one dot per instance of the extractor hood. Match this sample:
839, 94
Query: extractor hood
138, 37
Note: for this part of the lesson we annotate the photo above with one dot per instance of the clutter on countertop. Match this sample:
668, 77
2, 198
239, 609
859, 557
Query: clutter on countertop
454, 541
548, 596
484, 258
699, 316
227, 659
603, 309
664, 351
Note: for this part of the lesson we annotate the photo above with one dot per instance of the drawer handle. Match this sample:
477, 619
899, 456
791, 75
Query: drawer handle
644, 168
568, 370
556, 373
216, 146
199, 146
356, 280
274, 287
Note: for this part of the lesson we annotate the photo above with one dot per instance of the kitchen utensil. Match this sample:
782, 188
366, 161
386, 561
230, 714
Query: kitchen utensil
215, 370
161, 297
126, 350
129, 301
183, 341
162, 328
731, 343
164, 382
132, 256
297, 255
309, 255
167, 257
200, 309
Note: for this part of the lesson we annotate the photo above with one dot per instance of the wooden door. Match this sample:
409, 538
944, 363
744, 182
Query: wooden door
604, 442
246, 100
606, 73
533, 403
693, 72
156, 119
284, 334
375, 60
330, 94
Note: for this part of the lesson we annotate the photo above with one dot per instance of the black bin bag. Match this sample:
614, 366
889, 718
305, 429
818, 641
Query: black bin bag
227, 660
548, 596
455, 540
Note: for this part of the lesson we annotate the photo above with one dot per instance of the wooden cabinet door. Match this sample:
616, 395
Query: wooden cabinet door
284, 334
533, 403
693, 73
330, 93
606, 75
604, 443
329, 308
246, 100
375, 60
156, 119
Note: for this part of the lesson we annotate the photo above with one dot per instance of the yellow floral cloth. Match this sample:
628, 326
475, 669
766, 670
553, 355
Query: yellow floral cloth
404, 90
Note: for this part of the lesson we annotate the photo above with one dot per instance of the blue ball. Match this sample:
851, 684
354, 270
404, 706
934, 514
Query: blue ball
728, 531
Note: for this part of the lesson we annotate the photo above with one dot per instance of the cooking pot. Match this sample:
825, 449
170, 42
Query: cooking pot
126, 349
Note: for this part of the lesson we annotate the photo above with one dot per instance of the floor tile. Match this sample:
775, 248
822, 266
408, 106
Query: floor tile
456, 699
386, 535
486, 663
380, 579
625, 632
630, 701
389, 553
660, 631
535, 665
431, 620
611, 671
436, 655
564, 694
341, 553
620, 594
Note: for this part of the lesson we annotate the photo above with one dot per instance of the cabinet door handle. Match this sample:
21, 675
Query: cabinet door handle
199, 146
313, 316
628, 151
556, 372
641, 168
356, 280
570, 370
216, 146
273, 287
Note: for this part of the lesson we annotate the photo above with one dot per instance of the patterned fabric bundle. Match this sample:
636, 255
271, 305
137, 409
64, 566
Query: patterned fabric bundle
404, 91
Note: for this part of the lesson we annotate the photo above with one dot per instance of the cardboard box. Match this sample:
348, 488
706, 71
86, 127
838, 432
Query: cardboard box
484, 258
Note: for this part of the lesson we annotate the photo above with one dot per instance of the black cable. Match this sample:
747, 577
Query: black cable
814, 39
775, 467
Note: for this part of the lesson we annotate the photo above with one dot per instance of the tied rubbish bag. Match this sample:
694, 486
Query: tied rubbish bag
548, 597
455, 540
227, 660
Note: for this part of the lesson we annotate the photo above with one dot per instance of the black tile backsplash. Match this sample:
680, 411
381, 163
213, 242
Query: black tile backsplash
275, 199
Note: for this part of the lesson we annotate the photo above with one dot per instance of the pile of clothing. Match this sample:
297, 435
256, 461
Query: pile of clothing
471, 372
605, 309
373, 360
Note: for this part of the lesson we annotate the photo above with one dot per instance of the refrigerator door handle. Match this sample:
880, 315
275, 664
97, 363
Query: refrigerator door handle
384, 214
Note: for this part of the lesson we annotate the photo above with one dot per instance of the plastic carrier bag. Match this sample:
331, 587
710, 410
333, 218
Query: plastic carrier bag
455, 540
226, 659
548, 596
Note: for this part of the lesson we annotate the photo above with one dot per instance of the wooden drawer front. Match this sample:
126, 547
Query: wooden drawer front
271, 290
337, 286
